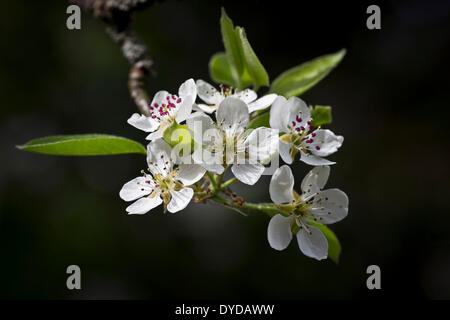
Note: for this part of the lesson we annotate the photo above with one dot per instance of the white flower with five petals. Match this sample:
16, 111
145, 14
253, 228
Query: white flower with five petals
314, 204
165, 110
227, 142
163, 184
212, 97
293, 117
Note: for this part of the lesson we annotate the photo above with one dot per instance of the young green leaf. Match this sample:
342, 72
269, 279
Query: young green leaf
220, 69
83, 145
245, 79
231, 47
297, 80
321, 115
252, 63
260, 121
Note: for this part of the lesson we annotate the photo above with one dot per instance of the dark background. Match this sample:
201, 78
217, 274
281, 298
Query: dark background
390, 99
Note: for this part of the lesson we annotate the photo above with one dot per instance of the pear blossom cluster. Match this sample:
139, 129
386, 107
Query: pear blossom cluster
217, 121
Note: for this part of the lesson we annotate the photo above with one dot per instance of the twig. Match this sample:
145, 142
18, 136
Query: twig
137, 55
117, 16
228, 183
268, 208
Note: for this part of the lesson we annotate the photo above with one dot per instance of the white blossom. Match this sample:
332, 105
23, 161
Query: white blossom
163, 184
212, 97
312, 205
165, 110
227, 142
293, 117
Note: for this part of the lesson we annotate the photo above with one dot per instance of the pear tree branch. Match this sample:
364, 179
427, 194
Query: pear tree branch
117, 15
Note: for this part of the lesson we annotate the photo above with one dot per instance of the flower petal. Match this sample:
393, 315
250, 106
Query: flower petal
312, 243
159, 157
184, 110
208, 93
196, 108
282, 185
155, 135
189, 173
279, 114
137, 188
262, 103
206, 108
248, 173
214, 168
324, 142
279, 232
188, 94
299, 113
330, 206
285, 152
160, 98
207, 161
315, 180
202, 128
262, 143
246, 95
180, 199
144, 205
314, 160
232, 114
143, 123
188, 88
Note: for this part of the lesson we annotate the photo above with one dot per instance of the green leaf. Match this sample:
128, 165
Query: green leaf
220, 69
84, 145
321, 115
334, 247
245, 80
260, 121
231, 47
252, 63
297, 80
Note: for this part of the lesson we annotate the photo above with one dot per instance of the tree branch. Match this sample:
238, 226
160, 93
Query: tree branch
141, 63
117, 16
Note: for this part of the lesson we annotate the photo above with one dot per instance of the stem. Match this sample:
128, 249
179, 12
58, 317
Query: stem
213, 181
268, 208
219, 179
227, 183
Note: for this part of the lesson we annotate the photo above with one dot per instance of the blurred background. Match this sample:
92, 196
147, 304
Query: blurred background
390, 99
